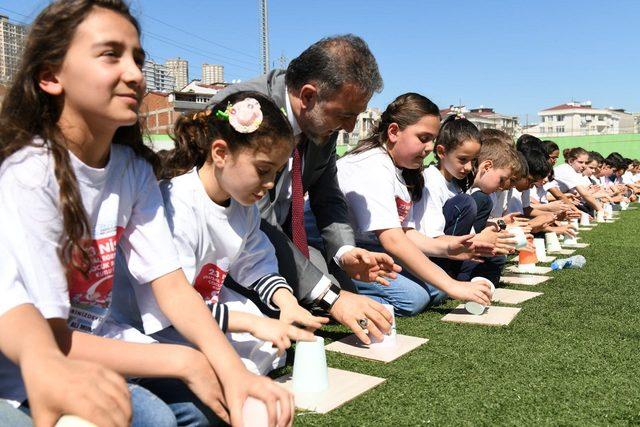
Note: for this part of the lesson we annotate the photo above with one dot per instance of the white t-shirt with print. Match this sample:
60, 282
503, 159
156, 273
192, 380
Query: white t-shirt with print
567, 178
428, 214
376, 193
212, 241
123, 206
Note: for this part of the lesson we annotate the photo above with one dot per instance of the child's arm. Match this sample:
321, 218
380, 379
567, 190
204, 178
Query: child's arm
588, 198
399, 246
145, 360
291, 312
56, 385
275, 331
187, 313
455, 247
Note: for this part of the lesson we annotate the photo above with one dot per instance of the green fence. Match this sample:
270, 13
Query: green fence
626, 144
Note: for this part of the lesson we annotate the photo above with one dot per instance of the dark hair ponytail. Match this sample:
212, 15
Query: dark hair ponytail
193, 134
406, 110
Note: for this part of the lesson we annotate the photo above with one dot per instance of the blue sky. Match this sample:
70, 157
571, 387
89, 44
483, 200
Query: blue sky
515, 56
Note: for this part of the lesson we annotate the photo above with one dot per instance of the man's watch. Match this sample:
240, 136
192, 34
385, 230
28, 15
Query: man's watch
329, 298
501, 224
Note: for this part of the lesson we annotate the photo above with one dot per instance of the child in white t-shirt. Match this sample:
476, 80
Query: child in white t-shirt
74, 184
495, 165
56, 385
446, 210
570, 179
381, 179
216, 228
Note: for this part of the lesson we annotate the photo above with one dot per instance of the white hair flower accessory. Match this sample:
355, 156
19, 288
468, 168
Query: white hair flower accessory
245, 116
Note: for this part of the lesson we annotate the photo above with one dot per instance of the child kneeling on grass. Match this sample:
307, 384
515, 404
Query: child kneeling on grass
382, 180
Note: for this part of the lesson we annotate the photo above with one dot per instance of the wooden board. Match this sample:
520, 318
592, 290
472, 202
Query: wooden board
575, 246
545, 260
493, 316
352, 346
524, 279
512, 296
536, 270
344, 386
562, 252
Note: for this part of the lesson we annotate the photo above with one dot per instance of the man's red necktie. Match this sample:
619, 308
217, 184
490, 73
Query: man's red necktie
298, 232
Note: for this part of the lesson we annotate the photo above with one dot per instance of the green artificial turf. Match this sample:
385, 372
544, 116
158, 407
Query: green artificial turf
570, 357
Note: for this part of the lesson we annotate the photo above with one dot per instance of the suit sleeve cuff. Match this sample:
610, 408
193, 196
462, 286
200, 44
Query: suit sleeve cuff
321, 287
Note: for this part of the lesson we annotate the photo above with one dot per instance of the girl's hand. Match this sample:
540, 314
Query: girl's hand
479, 292
469, 248
59, 386
199, 376
296, 315
292, 313
280, 404
360, 264
278, 332
505, 243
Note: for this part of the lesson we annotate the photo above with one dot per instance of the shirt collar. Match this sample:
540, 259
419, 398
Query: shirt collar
292, 119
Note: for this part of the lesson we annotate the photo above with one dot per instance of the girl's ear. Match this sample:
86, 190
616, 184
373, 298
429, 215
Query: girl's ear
440, 151
219, 153
392, 133
49, 83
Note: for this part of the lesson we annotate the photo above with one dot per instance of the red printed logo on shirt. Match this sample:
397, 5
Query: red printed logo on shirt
209, 282
95, 287
403, 208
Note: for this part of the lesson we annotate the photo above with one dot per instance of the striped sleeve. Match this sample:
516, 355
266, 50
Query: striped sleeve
267, 286
221, 314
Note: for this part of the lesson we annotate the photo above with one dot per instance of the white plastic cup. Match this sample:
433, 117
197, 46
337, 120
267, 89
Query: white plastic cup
553, 244
600, 216
310, 372
541, 253
570, 240
519, 236
624, 205
575, 223
473, 307
73, 421
608, 211
388, 339
584, 218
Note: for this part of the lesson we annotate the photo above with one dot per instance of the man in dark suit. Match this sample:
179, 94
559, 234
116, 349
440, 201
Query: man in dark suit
322, 91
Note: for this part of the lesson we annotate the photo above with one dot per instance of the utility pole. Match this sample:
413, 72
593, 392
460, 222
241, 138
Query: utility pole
264, 31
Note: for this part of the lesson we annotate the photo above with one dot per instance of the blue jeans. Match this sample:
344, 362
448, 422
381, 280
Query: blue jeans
186, 407
148, 409
10, 416
407, 294
459, 213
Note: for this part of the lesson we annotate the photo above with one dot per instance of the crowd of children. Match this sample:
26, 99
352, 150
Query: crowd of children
113, 258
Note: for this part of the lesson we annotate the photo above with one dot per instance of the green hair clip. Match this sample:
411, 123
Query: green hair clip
222, 115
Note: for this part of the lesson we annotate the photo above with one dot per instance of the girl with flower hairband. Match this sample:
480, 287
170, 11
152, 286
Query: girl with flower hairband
76, 183
225, 160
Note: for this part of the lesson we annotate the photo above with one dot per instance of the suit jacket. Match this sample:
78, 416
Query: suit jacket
319, 179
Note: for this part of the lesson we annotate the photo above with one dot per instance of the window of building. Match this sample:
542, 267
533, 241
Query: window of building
559, 118
559, 129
